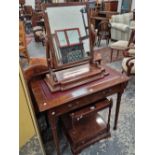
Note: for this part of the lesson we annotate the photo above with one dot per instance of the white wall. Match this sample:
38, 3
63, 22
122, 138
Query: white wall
133, 5
30, 2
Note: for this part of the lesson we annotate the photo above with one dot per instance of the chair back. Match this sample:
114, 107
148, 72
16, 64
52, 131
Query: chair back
37, 16
28, 10
104, 27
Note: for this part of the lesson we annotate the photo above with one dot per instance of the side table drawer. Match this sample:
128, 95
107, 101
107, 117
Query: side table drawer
83, 101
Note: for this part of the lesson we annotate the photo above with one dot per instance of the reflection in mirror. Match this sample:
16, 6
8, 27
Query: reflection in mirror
69, 45
69, 30
73, 36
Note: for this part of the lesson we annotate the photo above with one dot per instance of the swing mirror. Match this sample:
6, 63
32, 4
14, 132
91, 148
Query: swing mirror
67, 29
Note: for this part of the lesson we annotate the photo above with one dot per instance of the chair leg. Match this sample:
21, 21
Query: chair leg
107, 41
111, 55
122, 70
129, 70
117, 53
99, 41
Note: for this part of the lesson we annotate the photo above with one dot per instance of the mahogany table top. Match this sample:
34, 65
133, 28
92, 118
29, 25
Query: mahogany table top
47, 100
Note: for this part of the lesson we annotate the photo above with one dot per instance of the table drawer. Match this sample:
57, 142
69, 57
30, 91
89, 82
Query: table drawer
83, 101
90, 109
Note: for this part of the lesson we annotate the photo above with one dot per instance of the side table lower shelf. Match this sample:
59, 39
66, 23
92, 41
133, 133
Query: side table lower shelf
85, 132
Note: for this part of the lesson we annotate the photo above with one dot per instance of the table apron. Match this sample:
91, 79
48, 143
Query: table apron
86, 100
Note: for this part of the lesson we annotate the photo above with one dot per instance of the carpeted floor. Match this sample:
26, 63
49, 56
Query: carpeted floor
121, 142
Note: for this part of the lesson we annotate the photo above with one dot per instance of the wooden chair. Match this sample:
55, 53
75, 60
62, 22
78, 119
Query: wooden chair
38, 30
21, 2
28, 11
122, 45
38, 7
22, 40
104, 31
128, 63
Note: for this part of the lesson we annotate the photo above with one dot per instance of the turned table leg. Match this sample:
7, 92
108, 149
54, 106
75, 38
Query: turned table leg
119, 95
53, 123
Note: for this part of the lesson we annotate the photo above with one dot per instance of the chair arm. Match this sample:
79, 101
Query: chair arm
120, 26
130, 64
132, 24
115, 18
37, 28
34, 71
129, 52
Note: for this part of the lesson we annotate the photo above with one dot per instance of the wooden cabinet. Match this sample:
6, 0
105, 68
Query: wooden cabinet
110, 5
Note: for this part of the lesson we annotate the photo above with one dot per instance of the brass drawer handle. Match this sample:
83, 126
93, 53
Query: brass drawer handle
53, 113
92, 107
80, 117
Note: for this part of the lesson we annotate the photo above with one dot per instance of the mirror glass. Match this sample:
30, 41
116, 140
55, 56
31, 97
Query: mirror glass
69, 31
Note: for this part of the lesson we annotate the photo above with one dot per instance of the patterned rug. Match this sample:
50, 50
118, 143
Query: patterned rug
29, 38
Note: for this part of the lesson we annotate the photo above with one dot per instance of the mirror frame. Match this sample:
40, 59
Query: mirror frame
50, 51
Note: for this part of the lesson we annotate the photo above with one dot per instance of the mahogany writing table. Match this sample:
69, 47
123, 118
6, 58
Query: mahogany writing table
59, 103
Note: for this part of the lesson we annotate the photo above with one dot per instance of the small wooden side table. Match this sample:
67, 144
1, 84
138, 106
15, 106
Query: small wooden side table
63, 102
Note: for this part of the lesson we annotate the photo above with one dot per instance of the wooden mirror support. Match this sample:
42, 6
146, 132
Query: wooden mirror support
69, 47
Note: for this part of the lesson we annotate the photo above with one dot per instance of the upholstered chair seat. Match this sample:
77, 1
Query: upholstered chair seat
36, 28
124, 46
119, 45
40, 33
131, 52
40, 36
